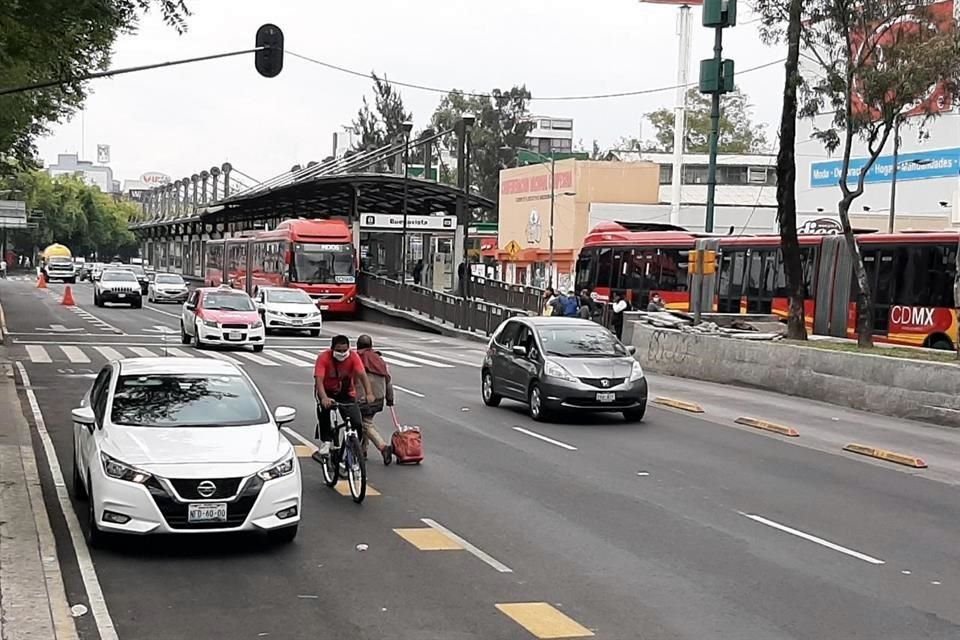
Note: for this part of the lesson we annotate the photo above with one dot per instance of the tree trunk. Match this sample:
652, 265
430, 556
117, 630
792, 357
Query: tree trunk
787, 179
864, 297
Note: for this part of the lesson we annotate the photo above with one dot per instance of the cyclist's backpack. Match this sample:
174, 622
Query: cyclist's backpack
407, 442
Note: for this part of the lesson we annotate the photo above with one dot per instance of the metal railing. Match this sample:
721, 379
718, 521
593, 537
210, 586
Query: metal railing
468, 315
514, 296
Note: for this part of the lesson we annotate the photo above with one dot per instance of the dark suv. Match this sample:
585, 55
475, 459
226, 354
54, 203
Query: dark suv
569, 364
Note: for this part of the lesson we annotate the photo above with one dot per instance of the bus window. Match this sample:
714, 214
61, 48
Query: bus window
604, 267
586, 269
808, 261
673, 270
924, 275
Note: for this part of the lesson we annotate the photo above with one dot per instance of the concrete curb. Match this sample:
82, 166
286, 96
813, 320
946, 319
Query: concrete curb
887, 455
773, 427
678, 404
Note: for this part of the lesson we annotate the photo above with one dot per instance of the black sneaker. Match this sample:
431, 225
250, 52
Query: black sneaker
387, 454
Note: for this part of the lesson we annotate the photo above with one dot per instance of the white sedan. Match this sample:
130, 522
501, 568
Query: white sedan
290, 309
183, 445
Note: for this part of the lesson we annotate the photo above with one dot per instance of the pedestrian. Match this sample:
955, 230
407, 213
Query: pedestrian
3, 268
588, 306
382, 384
418, 272
571, 305
656, 303
549, 301
619, 307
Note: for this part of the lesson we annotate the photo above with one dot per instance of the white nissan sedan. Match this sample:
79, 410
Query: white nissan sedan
183, 445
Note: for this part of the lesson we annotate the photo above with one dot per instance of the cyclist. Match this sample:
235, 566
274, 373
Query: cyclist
335, 375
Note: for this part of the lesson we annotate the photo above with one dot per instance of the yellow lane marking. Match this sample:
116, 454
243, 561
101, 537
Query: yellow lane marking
428, 539
543, 620
303, 451
679, 404
756, 423
344, 489
885, 454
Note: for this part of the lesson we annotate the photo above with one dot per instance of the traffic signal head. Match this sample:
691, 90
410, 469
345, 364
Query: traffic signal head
269, 58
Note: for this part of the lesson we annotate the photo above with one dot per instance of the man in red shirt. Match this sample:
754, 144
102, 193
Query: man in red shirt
336, 373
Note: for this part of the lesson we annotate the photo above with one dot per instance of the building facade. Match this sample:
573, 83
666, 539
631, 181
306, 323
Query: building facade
101, 176
550, 135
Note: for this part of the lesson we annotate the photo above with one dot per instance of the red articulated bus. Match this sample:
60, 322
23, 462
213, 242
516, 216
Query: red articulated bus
911, 276
317, 256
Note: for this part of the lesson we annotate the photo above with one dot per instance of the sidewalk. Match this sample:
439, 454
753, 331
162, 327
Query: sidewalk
33, 603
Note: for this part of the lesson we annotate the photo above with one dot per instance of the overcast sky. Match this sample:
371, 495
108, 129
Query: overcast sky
181, 120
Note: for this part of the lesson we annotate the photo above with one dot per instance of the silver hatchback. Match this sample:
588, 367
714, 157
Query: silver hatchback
556, 364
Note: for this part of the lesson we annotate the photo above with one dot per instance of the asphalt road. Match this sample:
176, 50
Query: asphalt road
681, 527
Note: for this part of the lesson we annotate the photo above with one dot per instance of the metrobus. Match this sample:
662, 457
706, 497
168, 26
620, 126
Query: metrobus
911, 276
317, 256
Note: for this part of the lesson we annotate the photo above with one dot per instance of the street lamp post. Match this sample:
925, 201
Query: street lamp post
407, 128
892, 213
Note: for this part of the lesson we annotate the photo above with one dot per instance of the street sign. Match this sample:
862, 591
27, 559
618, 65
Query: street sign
394, 222
513, 249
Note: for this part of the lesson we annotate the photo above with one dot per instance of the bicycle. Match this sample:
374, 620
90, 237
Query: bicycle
347, 449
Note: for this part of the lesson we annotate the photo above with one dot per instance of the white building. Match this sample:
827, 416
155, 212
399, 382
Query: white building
95, 175
550, 135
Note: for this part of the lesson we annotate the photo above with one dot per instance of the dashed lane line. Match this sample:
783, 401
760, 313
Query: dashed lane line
479, 553
812, 538
416, 394
534, 434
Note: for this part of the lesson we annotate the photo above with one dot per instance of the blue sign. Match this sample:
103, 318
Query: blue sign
922, 165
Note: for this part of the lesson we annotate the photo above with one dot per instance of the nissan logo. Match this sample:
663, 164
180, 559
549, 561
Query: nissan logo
206, 489
604, 383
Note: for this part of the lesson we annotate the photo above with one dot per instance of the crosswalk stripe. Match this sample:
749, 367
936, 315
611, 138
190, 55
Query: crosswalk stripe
109, 354
400, 363
285, 358
448, 359
222, 356
257, 359
432, 363
74, 354
38, 353
180, 353
143, 353
312, 357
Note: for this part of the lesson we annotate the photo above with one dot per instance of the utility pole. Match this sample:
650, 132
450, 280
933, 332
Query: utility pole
891, 216
716, 78
553, 201
680, 113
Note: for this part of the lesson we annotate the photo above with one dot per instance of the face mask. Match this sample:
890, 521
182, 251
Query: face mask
340, 356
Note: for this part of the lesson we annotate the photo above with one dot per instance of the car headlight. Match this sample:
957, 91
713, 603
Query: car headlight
256, 325
636, 373
555, 370
210, 323
278, 470
116, 469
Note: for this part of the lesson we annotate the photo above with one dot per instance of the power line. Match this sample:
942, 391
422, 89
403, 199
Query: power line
599, 96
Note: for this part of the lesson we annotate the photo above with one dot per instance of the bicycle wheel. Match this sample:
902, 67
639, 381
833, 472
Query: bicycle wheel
330, 469
356, 470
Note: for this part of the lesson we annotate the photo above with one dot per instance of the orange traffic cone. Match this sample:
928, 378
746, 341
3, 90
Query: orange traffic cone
42, 281
68, 297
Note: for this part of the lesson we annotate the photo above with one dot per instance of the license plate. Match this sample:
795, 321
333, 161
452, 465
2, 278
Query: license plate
234, 335
297, 321
324, 307
606, 397
207, 512
121, 295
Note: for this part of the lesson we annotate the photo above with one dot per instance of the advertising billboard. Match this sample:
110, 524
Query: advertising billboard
919, 165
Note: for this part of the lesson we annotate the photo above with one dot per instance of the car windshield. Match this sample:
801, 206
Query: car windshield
323, 264
137, 269
580, 342
171, 400
287, 296
118, 276
60, 260
166, 279
228, 302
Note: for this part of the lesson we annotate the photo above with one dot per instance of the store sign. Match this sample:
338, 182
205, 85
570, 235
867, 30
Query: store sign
920, 165
536, 184
155, 178
820, 226
414, 223
139, 195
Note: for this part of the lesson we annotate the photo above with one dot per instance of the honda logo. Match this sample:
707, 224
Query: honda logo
604, 383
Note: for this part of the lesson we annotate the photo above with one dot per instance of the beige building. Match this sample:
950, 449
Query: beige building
524, 228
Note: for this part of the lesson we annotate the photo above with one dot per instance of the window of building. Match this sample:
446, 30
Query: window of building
562, 125
757, 175
544, 124
666, 174
695, 174
544, 146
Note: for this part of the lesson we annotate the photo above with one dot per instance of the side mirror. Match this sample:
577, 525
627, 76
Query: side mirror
632, 350
519, 350
189, 306
284, 415
84, 416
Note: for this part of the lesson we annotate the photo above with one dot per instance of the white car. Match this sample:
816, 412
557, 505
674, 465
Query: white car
167, 287
183, 446
291, 309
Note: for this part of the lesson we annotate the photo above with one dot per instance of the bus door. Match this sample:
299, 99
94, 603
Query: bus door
730, 284
881, 274
760, 281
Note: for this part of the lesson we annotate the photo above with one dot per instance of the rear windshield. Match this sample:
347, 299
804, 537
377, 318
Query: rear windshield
168, 400
228, 302
580, 342
118, 276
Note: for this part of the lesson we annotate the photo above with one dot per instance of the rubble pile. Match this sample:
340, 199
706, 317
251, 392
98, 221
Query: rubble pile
735, 327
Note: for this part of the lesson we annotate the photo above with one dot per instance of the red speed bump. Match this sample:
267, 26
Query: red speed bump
773, 427
679, 404
889, 456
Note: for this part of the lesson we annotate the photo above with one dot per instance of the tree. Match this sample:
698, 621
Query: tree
878, 62
738, 132
774, 12
501, 128
382, 124
36, 47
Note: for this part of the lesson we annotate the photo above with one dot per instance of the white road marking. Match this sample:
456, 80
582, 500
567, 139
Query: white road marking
109, 354
400, 363
431, 363
812, 538
493, 562
96, 602
449, 359
222, 356
410, 391
258, 359
288, 359
143, 353
296, 436
166, 313
179, 353
38, 354
161, 328
312, 357
533, 434
74, 354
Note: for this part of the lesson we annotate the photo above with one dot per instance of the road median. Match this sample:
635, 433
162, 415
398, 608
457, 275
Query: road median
683, 405
905, 459
773, 427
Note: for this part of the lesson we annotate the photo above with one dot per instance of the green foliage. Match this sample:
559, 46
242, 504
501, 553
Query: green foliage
382, 124
738, 132
45, 40
72, 213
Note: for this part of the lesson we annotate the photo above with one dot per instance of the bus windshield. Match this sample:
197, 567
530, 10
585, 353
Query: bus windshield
323, 264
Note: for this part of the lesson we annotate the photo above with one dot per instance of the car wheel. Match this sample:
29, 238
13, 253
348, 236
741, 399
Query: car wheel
490, 398
96, 300
635, 415
315, 332
537, 411
196, 337
284, 535
79, 491
257, 348
184, 336
95, 537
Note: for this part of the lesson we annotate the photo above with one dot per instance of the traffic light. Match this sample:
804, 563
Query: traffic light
269, 58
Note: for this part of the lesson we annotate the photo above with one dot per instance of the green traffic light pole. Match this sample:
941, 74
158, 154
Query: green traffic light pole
714, 133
